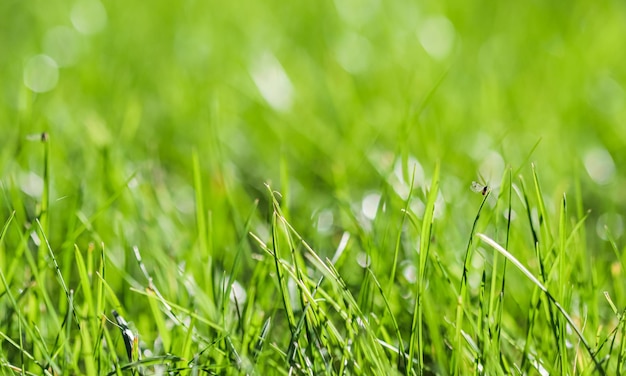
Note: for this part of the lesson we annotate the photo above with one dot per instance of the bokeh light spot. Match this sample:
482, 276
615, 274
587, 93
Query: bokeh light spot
369, 205
357, 12
437, 36
492, 167
610, 226
401, 185
363, 259
41, 73
440, 206
31, 184
409, 271
606, 95
63, 45
238, 293
599, 165
272, 81
325, 221
88, 16
353, 53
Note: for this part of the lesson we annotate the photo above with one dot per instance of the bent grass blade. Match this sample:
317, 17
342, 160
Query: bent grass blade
534, 280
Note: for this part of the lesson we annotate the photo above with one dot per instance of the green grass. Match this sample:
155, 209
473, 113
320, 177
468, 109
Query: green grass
272, 188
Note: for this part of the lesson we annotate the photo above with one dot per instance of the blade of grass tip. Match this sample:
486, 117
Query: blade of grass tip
425, 238
458, 353
206, 254
611, 304
551, 298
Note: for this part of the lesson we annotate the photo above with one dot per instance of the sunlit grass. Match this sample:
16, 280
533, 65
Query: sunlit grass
269, 188
280, 304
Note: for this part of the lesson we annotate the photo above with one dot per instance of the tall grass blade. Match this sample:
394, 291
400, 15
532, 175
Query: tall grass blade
417, 326
206, 253
457, 354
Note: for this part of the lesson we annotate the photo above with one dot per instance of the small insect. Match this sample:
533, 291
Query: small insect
480, 188
43, 137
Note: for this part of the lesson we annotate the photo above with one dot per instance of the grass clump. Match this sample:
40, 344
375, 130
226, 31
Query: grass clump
270, 188
395, 296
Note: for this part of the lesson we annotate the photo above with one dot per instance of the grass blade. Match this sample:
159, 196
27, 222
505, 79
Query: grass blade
537, 283
204, 245
458, 353
425, 239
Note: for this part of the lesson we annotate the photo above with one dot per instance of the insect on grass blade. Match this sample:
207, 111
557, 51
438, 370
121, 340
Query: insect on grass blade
479, 188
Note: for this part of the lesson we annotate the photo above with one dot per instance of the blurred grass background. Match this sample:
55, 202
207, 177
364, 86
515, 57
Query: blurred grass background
342, 80
324, 87
319, 99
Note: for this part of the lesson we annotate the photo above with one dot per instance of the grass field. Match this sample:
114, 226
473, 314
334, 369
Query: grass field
274, 188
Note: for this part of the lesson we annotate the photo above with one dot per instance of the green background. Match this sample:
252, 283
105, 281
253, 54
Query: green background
361, 96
